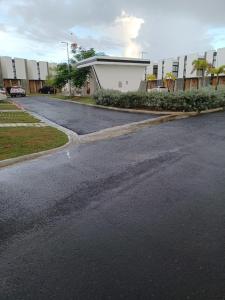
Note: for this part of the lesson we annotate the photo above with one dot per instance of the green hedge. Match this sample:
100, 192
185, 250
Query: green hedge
196, 100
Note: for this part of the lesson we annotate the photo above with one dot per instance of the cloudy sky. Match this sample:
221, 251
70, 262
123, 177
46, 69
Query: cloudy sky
162, 29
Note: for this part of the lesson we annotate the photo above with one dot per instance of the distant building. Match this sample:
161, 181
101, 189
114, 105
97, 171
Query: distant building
182, 68
29, 74
115, 73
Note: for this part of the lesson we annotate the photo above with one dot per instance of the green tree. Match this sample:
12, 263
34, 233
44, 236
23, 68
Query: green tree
62, 75
151, 77
217, 72
200, 66
79, 76
80, 54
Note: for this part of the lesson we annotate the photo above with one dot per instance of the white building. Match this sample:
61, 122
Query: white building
116, 73
182, 67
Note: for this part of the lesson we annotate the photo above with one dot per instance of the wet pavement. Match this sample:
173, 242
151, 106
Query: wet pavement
79, 118
141, 216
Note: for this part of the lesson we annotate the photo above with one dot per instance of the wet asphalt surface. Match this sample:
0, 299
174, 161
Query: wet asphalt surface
141, 216
79, 118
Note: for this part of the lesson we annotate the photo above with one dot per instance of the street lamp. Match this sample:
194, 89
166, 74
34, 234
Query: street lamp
68, 59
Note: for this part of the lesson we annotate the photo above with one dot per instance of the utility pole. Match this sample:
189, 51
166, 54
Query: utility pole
142, 57
68, 60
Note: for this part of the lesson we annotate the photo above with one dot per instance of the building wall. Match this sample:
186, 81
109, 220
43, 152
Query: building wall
150, 69
220, 57
220, 61
32, 70
181, 60
168, 66
43, 70
7, 67
120, 77
20, 68
160, 70
189, 66
209, 56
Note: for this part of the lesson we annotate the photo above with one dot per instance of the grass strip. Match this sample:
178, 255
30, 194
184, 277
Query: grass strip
17, 117
85, 100
20, 141
5, 105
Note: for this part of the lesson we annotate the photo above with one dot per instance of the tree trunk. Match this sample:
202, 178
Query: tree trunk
198, 83
217, 82
184, 83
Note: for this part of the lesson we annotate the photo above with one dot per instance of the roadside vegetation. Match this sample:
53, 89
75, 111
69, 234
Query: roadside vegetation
6, 105
196, 100
17, 117
20, 141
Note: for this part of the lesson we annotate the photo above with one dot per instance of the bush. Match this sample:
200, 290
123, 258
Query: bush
196, 100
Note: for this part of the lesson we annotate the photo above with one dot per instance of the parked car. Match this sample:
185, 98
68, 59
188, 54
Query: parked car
17, 91
3, 95
161, 89
47, 90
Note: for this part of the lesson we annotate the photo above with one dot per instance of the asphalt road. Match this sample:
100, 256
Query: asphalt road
79, 118
141, 216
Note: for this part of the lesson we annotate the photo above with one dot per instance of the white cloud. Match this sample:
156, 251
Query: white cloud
126, 29
161, 28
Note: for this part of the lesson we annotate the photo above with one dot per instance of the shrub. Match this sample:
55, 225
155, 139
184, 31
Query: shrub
196, 100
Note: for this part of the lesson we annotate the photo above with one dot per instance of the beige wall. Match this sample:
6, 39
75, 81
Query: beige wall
7, 68
20, 68
32, 70
120, 77
43, 70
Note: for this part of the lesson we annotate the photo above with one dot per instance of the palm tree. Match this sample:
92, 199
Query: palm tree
151, 77
217, 72
200, 66
170, 79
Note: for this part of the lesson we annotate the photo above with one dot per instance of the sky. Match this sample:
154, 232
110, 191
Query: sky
34, 29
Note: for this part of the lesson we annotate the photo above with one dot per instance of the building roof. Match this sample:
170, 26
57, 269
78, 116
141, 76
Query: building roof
110, 60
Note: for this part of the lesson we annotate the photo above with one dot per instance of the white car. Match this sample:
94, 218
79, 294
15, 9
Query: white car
161, 89
17, 91
3, 95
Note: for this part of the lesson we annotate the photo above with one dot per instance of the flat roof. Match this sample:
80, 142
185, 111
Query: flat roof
112, 60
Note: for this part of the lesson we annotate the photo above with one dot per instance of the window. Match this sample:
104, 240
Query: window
120, 84
126, 82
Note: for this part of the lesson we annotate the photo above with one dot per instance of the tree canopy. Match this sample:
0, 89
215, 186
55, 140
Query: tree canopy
72, 73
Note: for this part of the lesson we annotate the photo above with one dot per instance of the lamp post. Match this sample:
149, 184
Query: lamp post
68, 60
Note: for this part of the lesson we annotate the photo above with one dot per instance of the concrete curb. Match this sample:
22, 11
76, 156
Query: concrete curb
140, 111
10, 110
135, 126
73, 136
127, 128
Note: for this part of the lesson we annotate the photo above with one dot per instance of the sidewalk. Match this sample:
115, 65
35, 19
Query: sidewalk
23, 125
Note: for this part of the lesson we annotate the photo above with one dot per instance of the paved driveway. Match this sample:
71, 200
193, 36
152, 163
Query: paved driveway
82, 119
136, 217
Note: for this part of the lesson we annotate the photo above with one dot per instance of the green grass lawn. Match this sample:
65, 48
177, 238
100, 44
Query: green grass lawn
17, 117
86, 100
5, 105
20, 141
